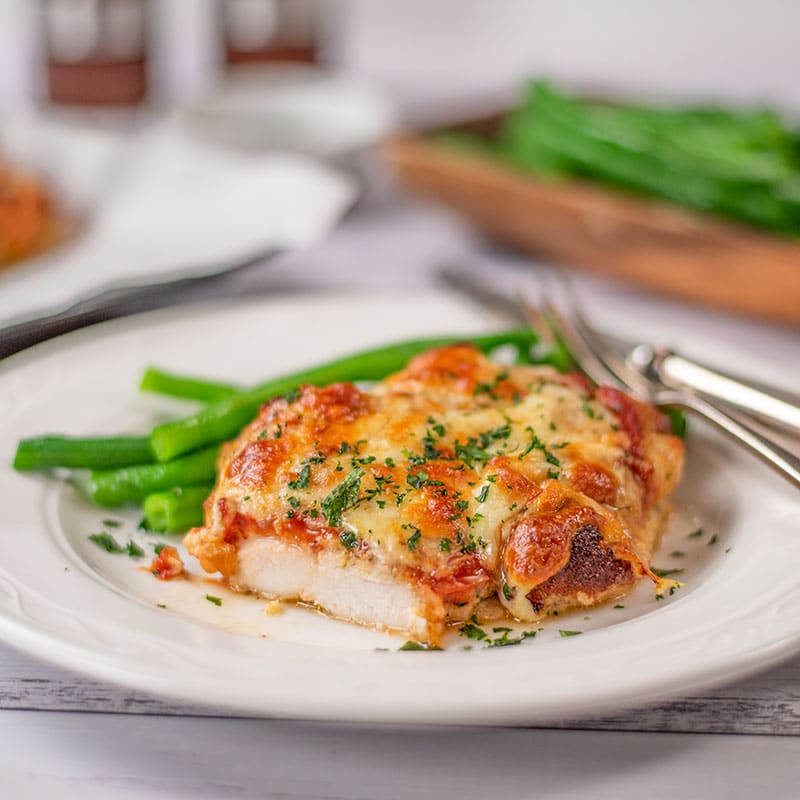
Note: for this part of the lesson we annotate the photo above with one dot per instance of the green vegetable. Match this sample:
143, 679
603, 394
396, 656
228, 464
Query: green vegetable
132, 484
740, 164
161, 382
178, 509
215, 600
225, 418
46, 452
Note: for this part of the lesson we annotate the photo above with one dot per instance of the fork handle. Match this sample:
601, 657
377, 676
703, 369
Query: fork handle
785, 463
679, 372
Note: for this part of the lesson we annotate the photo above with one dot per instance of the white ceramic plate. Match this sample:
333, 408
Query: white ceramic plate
64, 599
292, 107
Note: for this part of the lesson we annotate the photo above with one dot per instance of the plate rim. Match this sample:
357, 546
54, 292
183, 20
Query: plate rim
79, 658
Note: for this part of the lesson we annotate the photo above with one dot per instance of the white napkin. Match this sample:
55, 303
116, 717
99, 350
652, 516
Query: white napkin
160, 206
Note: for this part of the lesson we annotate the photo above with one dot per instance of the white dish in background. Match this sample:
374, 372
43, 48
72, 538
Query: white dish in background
64, 599
157, 205
295, 108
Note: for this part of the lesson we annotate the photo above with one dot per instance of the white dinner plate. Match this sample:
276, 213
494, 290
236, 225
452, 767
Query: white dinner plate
64, 599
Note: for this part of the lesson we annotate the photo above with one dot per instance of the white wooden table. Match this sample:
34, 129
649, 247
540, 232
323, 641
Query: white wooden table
68, 736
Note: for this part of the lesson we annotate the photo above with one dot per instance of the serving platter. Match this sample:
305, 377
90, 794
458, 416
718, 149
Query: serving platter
64, 599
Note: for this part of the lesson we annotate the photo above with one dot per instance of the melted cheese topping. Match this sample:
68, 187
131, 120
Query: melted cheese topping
457, 479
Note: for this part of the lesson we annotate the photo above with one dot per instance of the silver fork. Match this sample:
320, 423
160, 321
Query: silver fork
605, 366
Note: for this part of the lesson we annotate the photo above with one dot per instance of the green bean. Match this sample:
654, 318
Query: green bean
161, 382
742, 166
117, 487
178, 509
224, 419
46, 452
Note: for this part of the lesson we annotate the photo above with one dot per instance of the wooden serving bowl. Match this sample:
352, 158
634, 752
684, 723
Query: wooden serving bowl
609, 232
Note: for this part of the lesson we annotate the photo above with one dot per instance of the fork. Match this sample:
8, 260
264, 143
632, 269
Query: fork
604, 365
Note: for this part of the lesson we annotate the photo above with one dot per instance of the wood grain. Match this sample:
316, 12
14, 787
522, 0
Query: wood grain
607, 232
768, 704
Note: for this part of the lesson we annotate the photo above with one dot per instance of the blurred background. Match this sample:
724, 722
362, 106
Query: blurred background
425, 52
658, 150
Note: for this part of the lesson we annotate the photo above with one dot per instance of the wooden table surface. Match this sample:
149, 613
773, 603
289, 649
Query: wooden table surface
66, 735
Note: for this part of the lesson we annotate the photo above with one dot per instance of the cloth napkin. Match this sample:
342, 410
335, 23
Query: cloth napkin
155, 205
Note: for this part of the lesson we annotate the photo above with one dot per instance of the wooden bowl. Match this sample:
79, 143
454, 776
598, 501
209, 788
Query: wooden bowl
609, 232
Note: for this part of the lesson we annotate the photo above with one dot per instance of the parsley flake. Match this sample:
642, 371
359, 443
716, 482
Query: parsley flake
342, 497
665, 573
105, 541
569, 633
301, 482
348, 539
215, 600
133, 549
417, 646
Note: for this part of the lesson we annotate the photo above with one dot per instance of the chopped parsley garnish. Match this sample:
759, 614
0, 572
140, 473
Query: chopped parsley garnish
445, 545
301, 482
144, 525
493, 435
472, 544
158, 547
421, 478
293, 501
471, 452
619, 606
483, 494
508, 592
677, 554
107, 542
504, 640
665, 573
696, 534
348, 539
413, 540
389, 462
462, 505
292, 395
343, 448
215, 600
417, 646
713, 540
342, 497
589, 411
133, 549
537, 444
112, 523
570, 633
472, 631
489, 388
